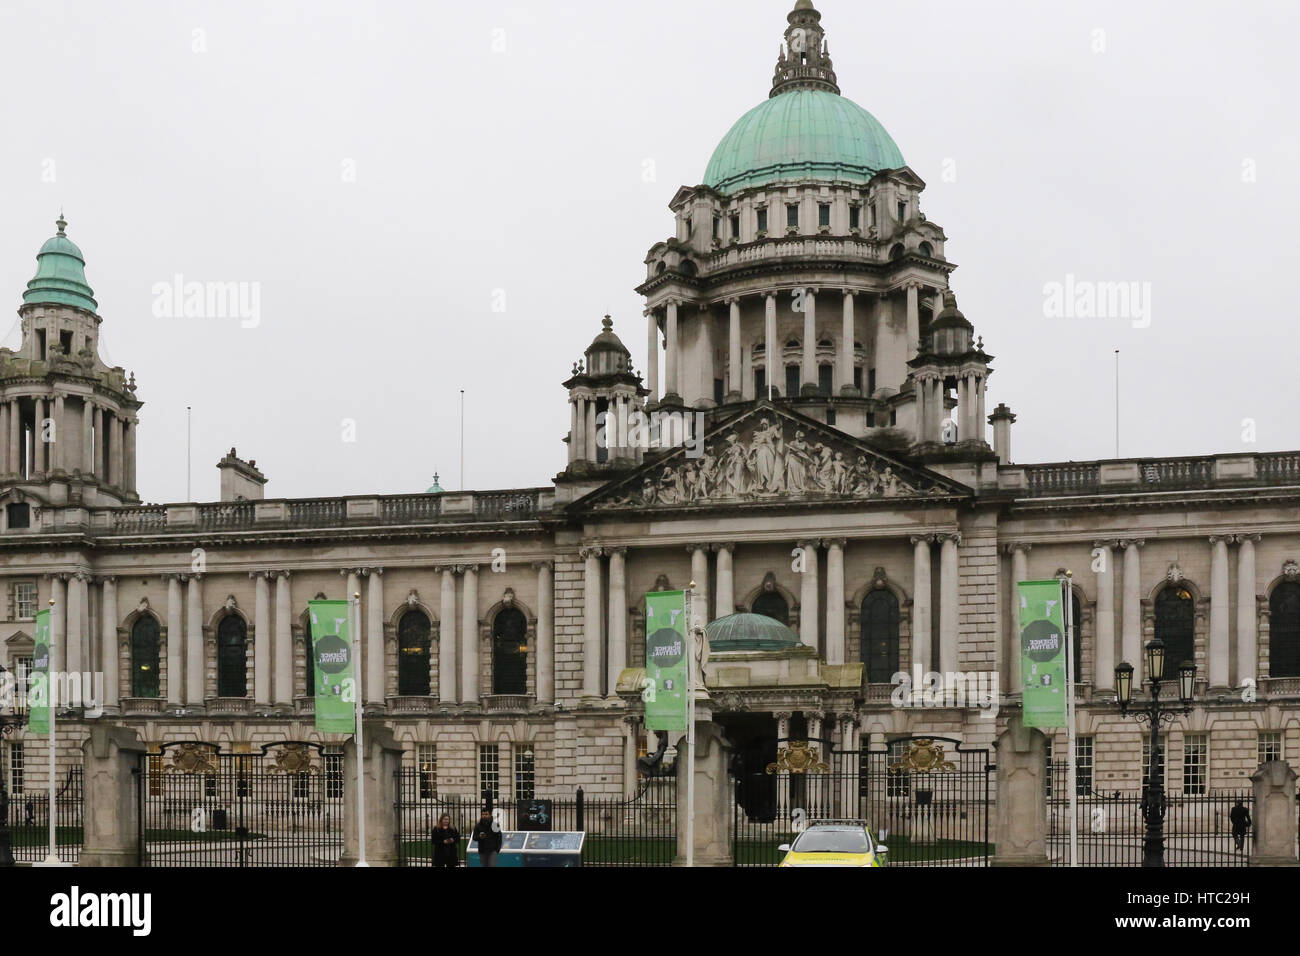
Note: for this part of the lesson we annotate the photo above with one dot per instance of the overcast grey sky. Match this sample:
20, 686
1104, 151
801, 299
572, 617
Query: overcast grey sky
380, 169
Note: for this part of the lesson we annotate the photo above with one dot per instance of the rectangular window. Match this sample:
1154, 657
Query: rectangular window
791, 381
762, 220
524, 773
855, 217
20, 514
893, 419
1050, 774
426, 762
24, 601
155, 774
14, 778
209, 784
715, 227
871, 379
1195, 763
65, 342
1161, 768
792, 215
302, 786
333, 775
823, 214
830, 416
902, 212
22, 681
1083, 764
718, 394
824, 379
489, 771
1270, 746
760, 383
871, 212
735, 226
898, 784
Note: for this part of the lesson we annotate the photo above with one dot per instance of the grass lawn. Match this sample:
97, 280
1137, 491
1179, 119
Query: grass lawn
72, 836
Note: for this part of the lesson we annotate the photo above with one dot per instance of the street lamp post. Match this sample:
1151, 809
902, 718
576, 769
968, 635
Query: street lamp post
1153, 793
11, 719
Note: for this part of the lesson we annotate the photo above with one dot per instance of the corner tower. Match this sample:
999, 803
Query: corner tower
67, 420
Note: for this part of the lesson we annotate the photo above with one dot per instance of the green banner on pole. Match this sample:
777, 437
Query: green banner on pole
38, 681
1042, 653
666, 648
331, 647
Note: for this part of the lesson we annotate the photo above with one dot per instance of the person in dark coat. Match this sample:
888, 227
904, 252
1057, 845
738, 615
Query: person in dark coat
1240, 818
488, 838
446, 838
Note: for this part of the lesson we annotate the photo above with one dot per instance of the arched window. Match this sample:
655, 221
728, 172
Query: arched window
413, 634
1175, 624
144, 657
773, 605
897, 251
1284, 630
880, 635
925, 249
510, 652
232, 657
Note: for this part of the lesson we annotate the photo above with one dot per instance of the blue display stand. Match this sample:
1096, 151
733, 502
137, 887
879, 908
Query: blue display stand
534, 848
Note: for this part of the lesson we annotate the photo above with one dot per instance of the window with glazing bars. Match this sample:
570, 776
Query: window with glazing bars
1195, 763
489, 770
1270, 746
426, 763
524, 772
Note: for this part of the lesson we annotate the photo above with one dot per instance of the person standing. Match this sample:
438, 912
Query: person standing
446, 838
488, 838
1240, 818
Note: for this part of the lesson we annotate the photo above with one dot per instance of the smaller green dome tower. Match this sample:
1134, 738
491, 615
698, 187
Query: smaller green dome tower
61, 275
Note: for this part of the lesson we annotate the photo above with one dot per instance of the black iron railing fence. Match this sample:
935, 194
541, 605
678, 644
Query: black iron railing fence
29, 821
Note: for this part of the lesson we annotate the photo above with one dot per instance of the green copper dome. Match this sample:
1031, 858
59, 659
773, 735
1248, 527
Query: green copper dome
749, 632
801, 134
60, 275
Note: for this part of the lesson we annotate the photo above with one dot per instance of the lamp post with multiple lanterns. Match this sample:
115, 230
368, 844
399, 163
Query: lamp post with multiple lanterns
1153, 793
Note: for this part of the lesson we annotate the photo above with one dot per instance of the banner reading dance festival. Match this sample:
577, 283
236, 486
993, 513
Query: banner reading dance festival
332, 656
38, 681
1042, 653
665, 660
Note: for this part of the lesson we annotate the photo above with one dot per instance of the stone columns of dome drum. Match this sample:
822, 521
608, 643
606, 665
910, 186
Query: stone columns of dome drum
469, 635
835, 601
545, 633
175, 641
128, 452
948, 602
15, 439
808, 373
913, 320
375, 637
589, 442
844, 360
447, 637
194, 669
617, 617
56, 435
735, 383
921, 626
808, 594
591, 622
1131, 609
1104, 671
39, 445
577, 428
726, 596
1019, 552
87, 439
671, 358
262, 638
98, 425
771, 363
108, 650
282, 648
1246, 613
652, 356
1219, 599
700, 575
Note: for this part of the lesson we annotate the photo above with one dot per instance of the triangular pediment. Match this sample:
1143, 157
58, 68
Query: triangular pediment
18, 638
770, 455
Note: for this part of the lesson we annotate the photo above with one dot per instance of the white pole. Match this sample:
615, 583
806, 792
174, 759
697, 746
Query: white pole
52, 858
354, 624
1070, 665
690, 725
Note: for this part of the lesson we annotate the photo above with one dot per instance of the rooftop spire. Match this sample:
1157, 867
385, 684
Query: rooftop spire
804, 62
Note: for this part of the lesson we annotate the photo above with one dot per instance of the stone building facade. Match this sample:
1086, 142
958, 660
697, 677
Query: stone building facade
847, 489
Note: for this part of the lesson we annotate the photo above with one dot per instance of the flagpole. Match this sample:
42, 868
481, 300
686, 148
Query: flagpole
354, 625
52, 859
690, 725
1070, 664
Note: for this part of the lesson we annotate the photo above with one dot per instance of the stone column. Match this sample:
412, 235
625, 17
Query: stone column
700, 575
652, 356
110, 449
128, 450
469, 635
808, 593
39, 446
921, 627
175, 641
1247, 617
617, 617
726, 597
771, 350
577, 430
1219, 601
980, 418
108, 647
545, 633
283, 646
87, 438
383, 760
375, 639
671, 384
57, 445
111, 795
913, 320
1274, 815
194, 662
808, 374
591, 622
589, 441
447, 637
6, 463
844, 366
1131, 609
712, 797
1021, 834
948, 603
1019, 552
835, 600
99, 443
262, 639
736, 384
1104, 670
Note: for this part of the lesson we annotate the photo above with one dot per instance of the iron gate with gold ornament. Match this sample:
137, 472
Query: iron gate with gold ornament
926, 798
281, 805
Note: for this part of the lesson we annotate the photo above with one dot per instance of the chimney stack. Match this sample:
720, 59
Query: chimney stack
240, 480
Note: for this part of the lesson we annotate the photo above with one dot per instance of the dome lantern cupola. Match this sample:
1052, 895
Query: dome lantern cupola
804, 62
60, 274
950, 332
